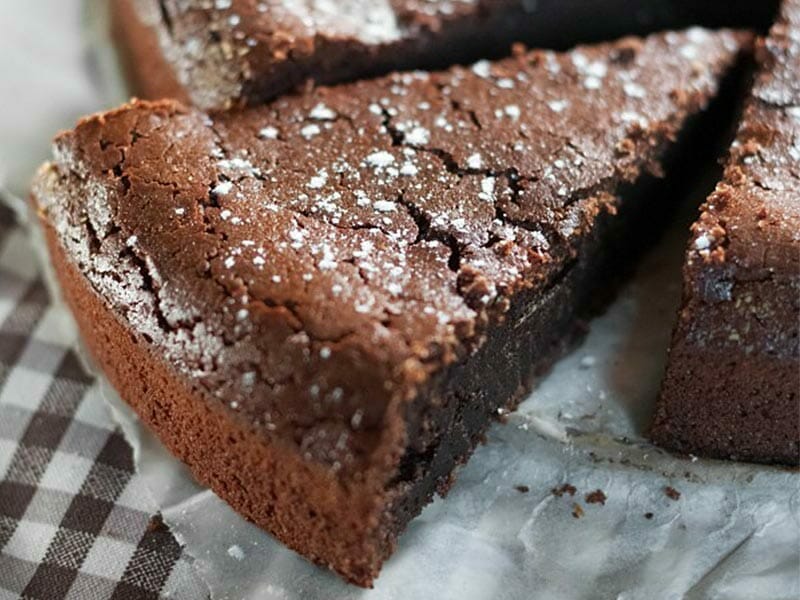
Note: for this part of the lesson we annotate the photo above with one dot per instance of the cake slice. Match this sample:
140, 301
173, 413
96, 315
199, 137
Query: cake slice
320, 305
216, 53
732, 387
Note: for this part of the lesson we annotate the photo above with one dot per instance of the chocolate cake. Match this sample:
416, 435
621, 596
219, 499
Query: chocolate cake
223, 52
732, 387
320, 304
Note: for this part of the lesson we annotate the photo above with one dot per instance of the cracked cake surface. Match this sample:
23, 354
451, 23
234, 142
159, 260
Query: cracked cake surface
298, 297
732, 385
219, 53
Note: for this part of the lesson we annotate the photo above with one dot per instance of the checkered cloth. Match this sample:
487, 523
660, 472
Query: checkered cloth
76, 521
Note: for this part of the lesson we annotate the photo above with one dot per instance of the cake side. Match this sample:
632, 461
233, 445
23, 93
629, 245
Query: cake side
246, 51
146, 69
732, 387
302, 503
327, 276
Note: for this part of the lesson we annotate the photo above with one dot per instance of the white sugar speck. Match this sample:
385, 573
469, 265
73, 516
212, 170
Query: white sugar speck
384, 206
319, 180
236, 552
328, 261
322, 113
482, 68
487, 189
632, 117
703, 242
475, 161
268, 133
697, 35
324, 353
380, 159
597, 69
512, 111
592, 83
223, 188
558, 105
418, 136
236, 163
409, 169
309, 131
634, 90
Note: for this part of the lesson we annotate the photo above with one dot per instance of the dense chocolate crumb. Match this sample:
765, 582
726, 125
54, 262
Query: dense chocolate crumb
596, 497
522, 489
320, 304
672, 493
732, 382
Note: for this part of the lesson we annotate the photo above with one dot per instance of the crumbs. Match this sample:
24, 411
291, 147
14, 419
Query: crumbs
596, 497
566, 488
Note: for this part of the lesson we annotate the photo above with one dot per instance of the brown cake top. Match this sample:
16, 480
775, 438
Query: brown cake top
315, 262
749, 229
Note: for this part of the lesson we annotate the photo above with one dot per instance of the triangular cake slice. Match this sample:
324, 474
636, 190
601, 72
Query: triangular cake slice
320, 304
228, 52
732, 388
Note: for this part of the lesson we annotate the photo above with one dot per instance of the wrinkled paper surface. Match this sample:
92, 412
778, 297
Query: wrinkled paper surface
502, 533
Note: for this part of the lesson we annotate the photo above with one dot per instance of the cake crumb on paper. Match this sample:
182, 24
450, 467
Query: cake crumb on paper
566, 488
596, 497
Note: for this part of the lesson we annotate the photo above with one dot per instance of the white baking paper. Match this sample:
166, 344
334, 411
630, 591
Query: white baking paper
734, 532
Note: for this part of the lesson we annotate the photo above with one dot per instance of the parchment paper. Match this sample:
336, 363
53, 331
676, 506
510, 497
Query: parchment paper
502, 533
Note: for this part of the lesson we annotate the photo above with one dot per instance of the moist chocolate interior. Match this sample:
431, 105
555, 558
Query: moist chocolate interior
456, 408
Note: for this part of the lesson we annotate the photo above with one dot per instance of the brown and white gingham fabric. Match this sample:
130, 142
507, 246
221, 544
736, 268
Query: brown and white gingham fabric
76, 522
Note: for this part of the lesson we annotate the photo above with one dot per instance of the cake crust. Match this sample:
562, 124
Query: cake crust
732, 386
303, 300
